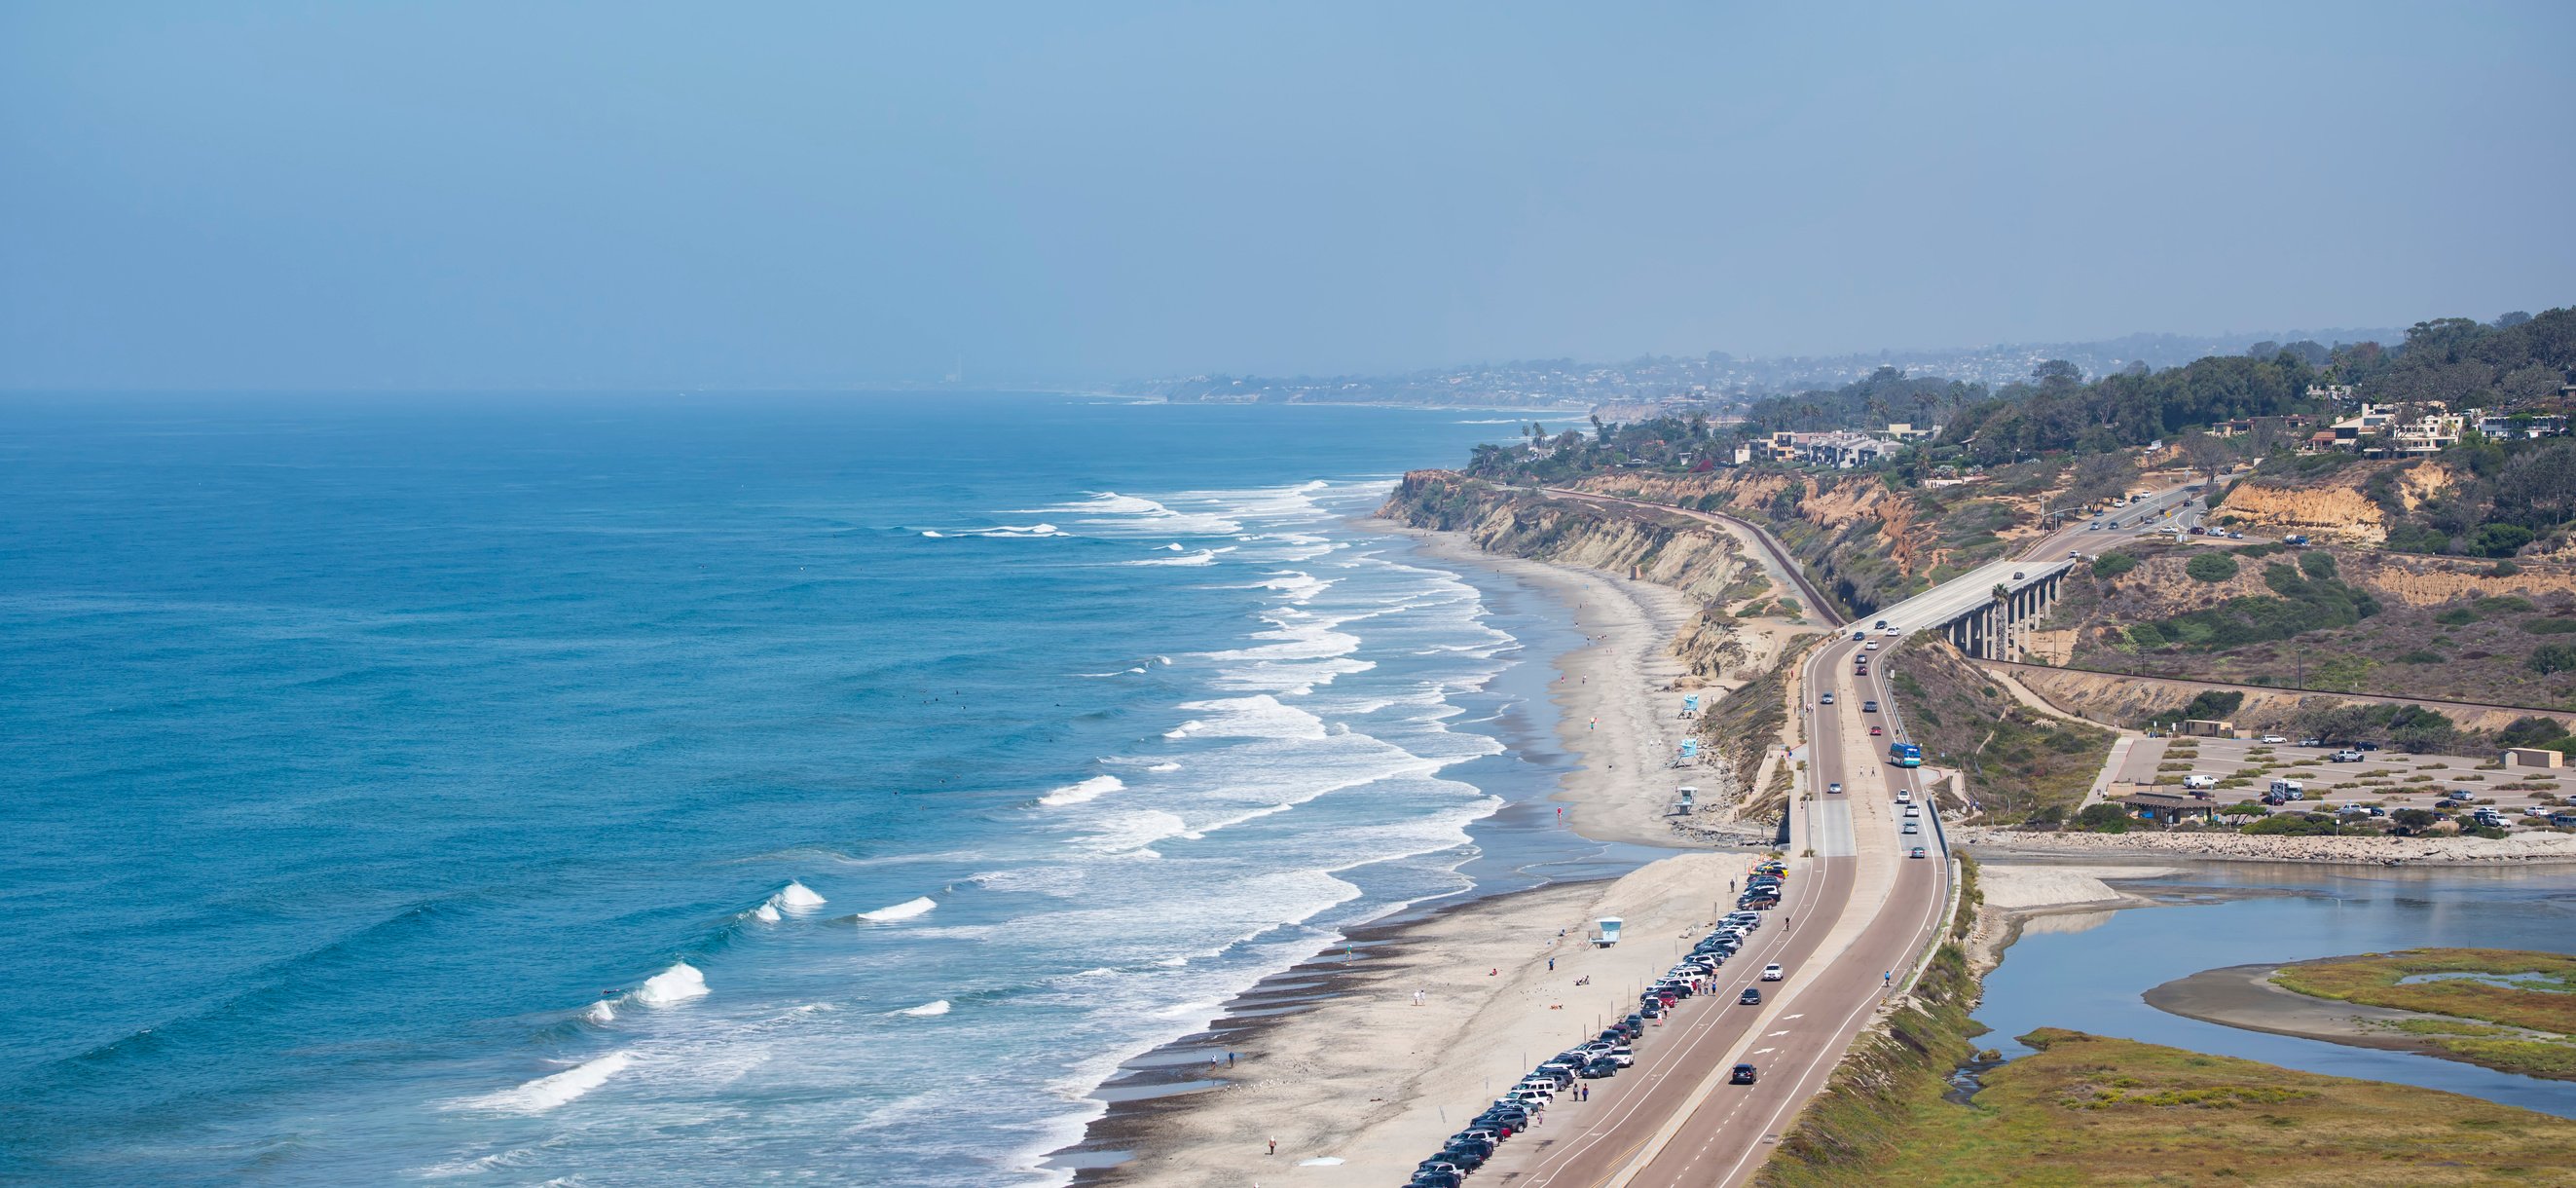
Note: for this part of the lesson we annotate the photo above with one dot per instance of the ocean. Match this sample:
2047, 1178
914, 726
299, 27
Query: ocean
652, 789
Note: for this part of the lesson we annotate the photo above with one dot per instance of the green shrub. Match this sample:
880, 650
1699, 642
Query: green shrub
2552, 626
2419, 656
2211, 567
2549, 658
2531, 732
2317, 565
2212, 704
2458, 616
2499, 540
2410, 537
2103, 818
2505, 604
2111, 565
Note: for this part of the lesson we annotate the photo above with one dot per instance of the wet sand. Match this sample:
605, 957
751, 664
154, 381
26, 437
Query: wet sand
2244, 996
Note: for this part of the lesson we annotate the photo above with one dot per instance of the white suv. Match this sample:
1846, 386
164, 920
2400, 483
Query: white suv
1772, 972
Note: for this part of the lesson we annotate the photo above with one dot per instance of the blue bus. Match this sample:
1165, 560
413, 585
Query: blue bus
1905, 754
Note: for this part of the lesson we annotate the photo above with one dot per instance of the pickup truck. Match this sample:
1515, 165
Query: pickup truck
2346, 756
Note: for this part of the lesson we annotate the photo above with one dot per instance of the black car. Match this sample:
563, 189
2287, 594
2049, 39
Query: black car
1436, 1179
1743, 1075
1636, 1024
1752, 996
1467, 1155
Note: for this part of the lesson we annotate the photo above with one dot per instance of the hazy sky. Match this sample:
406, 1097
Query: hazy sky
457, 195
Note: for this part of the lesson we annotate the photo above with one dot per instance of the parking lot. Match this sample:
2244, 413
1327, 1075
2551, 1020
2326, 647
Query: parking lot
2244, 769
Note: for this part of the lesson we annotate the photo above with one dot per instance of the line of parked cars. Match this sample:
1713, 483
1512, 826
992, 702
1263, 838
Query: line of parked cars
1615, 1048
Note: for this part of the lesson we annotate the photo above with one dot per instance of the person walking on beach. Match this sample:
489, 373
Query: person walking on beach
1551, 965
1274, 1147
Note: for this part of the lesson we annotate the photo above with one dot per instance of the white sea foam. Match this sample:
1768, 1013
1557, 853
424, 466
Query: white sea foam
1175, 547
796, 896
766, 913
679, 983
901, 911
1021, 530
1164, 767
1133, 833
547, 1092
1113, 514
1183, 730
599, 1012
934, 534
936, 1007
1199, 558
1090, 789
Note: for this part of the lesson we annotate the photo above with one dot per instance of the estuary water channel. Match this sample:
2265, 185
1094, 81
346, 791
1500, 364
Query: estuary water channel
2087, 971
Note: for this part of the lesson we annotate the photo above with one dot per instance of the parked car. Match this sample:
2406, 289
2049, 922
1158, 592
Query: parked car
2273, 740
1598, 1069
1772, 972
2347, 755
1744, 1074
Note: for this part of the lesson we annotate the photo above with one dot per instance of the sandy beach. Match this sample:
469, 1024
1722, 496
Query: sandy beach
1336, 1061
1369, 1080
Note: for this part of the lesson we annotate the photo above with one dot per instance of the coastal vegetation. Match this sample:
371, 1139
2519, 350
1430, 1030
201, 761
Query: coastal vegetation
2018, 763
2088, 1109
2507, 1009
1915, 1103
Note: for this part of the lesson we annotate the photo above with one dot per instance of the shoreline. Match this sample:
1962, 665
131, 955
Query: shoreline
1331, 1056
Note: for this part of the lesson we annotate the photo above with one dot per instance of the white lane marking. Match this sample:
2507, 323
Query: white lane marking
1764, 1051
1776, 1034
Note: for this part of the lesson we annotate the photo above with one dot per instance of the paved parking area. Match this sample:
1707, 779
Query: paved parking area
2383, 778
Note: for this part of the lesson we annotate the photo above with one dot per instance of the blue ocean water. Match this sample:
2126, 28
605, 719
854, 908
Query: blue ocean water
620, 791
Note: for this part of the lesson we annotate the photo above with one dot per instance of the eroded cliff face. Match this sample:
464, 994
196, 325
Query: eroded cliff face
1692, 556
2337, 507
2338, 513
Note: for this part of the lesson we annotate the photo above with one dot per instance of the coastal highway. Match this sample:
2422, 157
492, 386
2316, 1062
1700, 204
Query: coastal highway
1855, 911
1858, 910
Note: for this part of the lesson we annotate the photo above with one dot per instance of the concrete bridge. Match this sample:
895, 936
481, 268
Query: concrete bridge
1969, 612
